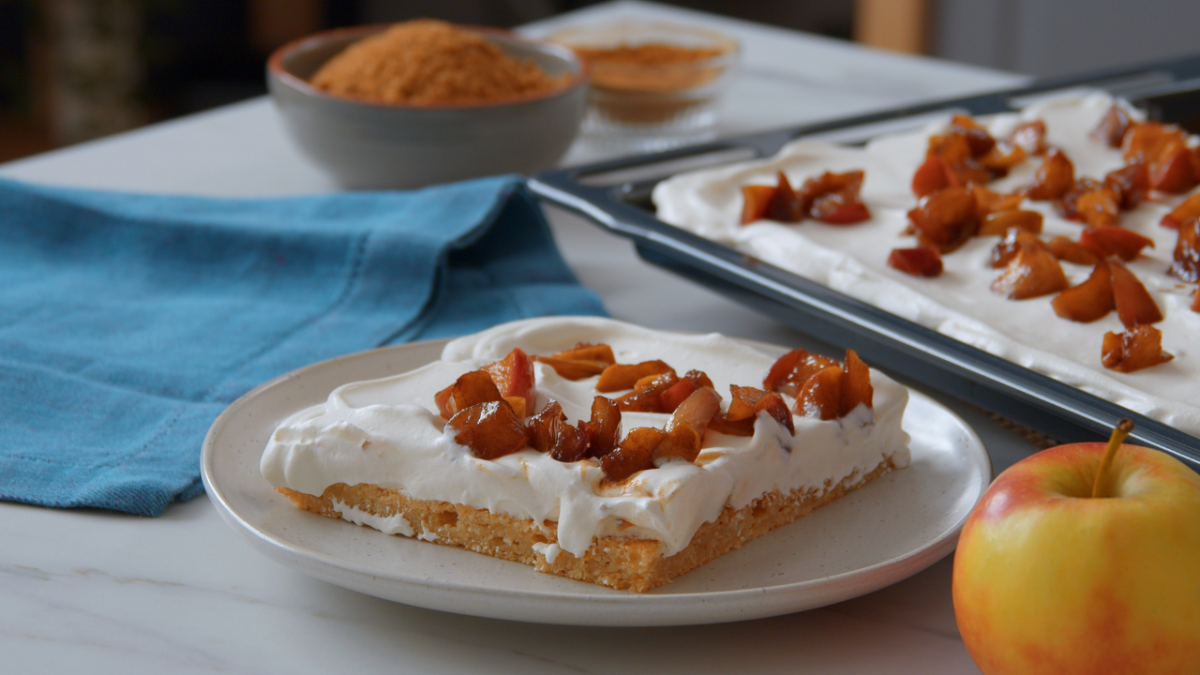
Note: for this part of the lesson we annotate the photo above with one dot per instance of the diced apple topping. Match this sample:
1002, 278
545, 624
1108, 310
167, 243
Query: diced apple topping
920, 261
635, 453
1130, 183
754, 202
1186, 264
1164, 149
1112, 127
513, 376
931, 176
1067, 205
550, 431
470, 389
1030, 137
1064, 248
490, 429
604, 428
1133, 349
791, 370
647, 393
1099, 208
1006, 249
1188, 210
622, 376
1054, 177
688, 424
988, 202
744, 405
1032, 272
856, 384
830, 198
1090, 300
1106, 241
821, 395
785, 206
998, 223
945, 219
1134, 304
833, 392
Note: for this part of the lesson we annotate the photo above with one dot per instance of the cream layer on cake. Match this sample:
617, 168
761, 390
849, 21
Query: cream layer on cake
388, 433
853, 259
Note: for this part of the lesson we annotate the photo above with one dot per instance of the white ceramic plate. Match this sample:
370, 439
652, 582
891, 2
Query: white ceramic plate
887, 531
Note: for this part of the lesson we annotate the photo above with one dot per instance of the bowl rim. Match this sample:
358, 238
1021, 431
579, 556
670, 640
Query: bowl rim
276, 69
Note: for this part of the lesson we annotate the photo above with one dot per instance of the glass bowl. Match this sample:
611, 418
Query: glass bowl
653, 85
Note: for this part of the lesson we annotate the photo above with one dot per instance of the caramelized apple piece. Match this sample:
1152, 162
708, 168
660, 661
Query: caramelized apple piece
1065, 249
588, 352
1112, 127
573, 369
1002, 158
1067, 205
856, 385
1106, 241
754, 202
489, 430
978, 138
1146, 142
687, 426
744, 407
821, 395
513, 376
829, 182
1133, 349
540, 427
677, 393
786, 206
681, 442
1053, 178
647, 393
1173, 172
1189, 209
945, 219
988, 202
549, 431
1006, 249
1030, 137
840, 208
468, 390
791, 370
634, 454
1186, 264
1090, 300
997, 224
1032, 272
1130, 183
604, 426
920, 261
622, 376
1134, 304
953, 148
1099, 208
931, 176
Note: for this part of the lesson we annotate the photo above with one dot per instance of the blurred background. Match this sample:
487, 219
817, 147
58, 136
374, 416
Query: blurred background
75, 70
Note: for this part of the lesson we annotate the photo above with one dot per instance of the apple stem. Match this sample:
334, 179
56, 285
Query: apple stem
1124, 427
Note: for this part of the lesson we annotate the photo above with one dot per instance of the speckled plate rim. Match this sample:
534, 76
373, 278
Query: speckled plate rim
437, 587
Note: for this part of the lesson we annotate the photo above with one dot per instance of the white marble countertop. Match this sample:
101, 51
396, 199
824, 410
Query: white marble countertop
98, 592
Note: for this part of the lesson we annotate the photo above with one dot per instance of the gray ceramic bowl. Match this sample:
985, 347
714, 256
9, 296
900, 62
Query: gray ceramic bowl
381, 146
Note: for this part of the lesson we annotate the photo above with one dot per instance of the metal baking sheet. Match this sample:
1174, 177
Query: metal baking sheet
616, 196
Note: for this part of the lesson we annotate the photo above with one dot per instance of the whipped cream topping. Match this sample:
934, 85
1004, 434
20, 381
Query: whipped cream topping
959, 303
387, 432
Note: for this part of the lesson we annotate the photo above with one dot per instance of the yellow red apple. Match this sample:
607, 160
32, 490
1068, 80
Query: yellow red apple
1051, 579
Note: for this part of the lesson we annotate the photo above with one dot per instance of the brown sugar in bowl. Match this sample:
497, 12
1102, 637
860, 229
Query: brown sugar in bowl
366, 144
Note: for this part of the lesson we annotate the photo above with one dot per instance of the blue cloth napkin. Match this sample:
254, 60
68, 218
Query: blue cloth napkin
128, 322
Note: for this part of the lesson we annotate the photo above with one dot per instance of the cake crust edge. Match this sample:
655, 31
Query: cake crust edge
617, 562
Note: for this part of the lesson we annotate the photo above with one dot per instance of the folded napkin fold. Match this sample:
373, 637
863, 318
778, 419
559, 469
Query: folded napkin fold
128, 322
